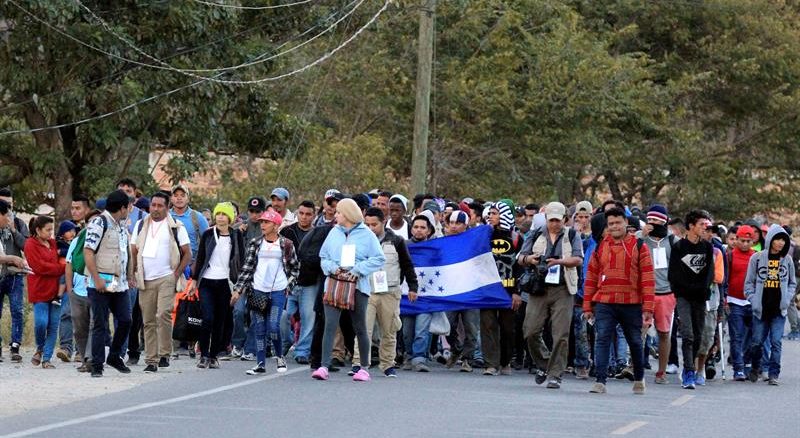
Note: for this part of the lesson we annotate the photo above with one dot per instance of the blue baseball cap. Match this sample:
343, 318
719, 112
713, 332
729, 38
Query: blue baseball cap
281, 193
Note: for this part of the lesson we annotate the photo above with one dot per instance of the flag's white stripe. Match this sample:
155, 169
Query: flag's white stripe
461, 277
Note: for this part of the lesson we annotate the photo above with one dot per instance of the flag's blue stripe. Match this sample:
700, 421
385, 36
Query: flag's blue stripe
491, 296
452, 249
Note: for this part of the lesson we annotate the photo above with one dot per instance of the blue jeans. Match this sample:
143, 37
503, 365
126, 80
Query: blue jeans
267, 325
740, 324
772, 332
607, 318
45, 323
242, 337
65, 327
11, 287
132, 293
117, 303
581, 341
301, 300
619, 354
417, 337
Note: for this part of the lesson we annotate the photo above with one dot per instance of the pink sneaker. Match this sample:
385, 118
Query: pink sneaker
361, 376
320, 374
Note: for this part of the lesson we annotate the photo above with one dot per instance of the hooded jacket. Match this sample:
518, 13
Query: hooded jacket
757, 273
691, 269
369, 255
504, 248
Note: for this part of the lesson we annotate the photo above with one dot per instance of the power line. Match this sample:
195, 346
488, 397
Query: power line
189, 72
252, 8
167, 93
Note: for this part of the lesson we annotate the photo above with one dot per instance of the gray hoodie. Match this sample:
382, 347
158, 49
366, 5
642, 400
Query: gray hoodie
757, 273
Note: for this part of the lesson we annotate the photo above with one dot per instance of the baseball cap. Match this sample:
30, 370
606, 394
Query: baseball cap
257, 204
555, 210
271, 216
281, 193
180, 187
458, 217
401, 199
584, 207
432, 206
331, 194
746, 232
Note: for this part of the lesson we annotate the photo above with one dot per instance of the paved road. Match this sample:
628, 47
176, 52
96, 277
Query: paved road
200, 403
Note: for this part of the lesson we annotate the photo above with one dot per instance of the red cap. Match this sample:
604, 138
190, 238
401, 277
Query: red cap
271, 216
746, 232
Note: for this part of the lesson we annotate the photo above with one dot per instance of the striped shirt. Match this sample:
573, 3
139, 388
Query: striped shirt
620, 273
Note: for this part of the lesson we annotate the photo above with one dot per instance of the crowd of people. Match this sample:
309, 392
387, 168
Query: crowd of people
594, 291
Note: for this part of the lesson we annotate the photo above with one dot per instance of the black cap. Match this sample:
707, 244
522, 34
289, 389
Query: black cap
6, 191
257, 203
362, 200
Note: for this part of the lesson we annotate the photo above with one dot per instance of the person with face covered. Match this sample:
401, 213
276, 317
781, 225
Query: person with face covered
769, 286
497, 325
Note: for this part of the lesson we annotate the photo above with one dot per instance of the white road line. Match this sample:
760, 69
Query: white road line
628, 428
682, 400
139, 407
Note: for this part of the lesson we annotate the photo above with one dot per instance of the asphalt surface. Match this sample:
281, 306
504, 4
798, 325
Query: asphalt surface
226, 402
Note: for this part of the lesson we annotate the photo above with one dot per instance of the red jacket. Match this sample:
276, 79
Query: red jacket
43, 283
620, 273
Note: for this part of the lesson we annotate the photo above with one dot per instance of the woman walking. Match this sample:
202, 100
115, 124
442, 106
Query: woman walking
219, 258
351, 253
42, 255
269, 270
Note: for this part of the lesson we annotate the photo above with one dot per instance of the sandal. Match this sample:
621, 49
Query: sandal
47, 365
36, 360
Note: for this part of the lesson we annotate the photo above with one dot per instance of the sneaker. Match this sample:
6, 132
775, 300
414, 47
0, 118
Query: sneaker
390, 372
517, 364
233, 355
625, 373
15, 356
47, 365
320, 373
421, 367
739, 376
639, 387
256, 370
672, 369
773, 381
163, 362
132, 360
213, 364
554, 383
116, 363
407, 365
281, 364
465, 366
353, 370
490, 371
753, 376
336, 362
765, 377
203, 363
97, 373
478, 363
661, 379
505, 371
540, 378
151, 368
581, 373
451, 361
361, 376
63, 355
301, 360
249, 357
711, 372
36, 360
689, 380
84, 368
700, 379
598, 388
653, 352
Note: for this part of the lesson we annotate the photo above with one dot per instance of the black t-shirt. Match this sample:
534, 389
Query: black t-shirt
771, 297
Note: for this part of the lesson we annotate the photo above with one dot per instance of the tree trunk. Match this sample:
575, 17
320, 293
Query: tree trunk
50, 141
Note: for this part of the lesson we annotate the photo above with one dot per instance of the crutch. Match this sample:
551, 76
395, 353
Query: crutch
722, 347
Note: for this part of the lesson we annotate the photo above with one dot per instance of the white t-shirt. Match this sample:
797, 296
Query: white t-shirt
402, 232
219, 264
269, 275
156, 258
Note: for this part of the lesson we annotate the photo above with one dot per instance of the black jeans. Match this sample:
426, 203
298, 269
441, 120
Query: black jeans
215, 300
118, 304
137, 323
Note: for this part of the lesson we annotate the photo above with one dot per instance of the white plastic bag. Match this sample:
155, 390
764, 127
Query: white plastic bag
440, 325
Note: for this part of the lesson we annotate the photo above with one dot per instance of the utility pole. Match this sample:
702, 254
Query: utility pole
419, 156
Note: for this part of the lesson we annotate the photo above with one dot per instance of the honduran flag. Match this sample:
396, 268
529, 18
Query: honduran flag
456, 273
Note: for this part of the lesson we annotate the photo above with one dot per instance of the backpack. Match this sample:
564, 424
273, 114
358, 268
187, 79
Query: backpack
78, 262
195, 224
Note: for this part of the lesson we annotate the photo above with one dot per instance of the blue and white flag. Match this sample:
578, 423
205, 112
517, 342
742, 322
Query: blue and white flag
456, 273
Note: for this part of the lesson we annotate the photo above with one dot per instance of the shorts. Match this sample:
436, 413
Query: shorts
709, 330
664, 312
